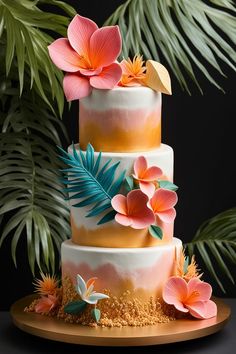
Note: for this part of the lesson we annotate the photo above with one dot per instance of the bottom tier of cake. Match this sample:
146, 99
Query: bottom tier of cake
140, 272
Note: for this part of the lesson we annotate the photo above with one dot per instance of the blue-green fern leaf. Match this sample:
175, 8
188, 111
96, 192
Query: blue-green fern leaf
93, 183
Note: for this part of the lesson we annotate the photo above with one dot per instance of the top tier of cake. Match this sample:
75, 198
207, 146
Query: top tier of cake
124, 119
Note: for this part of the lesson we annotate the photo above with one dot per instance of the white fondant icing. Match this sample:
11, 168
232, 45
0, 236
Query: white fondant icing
146, 268
162, 157
122, 98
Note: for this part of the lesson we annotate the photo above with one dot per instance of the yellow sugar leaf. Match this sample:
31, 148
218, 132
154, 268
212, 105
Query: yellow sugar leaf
157, 77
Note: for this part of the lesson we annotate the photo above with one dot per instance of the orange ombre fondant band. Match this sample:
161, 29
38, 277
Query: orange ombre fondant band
120, 130
118, 236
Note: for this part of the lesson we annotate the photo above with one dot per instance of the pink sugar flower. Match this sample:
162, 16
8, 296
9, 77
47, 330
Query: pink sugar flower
88, 56
193, 297
162, 203
146, 176
46, 304
132, 210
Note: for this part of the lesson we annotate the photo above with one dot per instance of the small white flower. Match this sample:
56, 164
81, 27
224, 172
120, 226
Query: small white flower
85, 290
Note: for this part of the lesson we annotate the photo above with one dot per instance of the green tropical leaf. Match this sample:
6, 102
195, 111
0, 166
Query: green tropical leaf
75, 307
31, 196
96, 314
167, 185
155, 231
108, 217
24, 30
215, 242
96, 185
177, 30
129, 183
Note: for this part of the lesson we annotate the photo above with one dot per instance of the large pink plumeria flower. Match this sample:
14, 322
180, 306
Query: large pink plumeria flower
162, 203
193, 297
88, 56
132, 210
146, 176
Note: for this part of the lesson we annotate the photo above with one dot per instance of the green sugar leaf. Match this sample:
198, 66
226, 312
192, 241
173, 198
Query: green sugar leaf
167, 185
75, 307
155, 231
129, 183
96, 314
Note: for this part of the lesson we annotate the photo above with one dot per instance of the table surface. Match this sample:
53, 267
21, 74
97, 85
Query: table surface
14, 341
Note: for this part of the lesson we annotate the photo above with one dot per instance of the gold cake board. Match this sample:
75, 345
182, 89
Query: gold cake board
163, 333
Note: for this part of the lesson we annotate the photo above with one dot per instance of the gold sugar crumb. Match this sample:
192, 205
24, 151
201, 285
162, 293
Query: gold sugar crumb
117, 312
126, 310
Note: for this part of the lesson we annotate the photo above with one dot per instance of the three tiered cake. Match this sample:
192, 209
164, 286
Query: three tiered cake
119, 180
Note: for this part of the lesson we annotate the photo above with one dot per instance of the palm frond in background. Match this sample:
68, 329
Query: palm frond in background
31, 197
177, 30
23, 27
215, 243
32, 202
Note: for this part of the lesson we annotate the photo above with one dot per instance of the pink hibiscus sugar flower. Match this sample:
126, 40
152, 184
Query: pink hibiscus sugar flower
162, 203
46, 304
132, 210
88, 57
146, 176
193, 297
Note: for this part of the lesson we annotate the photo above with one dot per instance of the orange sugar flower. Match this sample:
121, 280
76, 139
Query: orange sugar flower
46, 304
186, 270
133, 72
48, 285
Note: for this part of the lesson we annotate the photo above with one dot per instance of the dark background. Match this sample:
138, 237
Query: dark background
201, 130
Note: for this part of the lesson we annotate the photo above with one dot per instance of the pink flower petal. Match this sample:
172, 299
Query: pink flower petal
76, 87
175, 292
90, 72
136, 202
63, 55
105, 46
199, 290
123, 219
144, 220
140, 166
163, 200
79, 33
119, 203
125, 70
203, 309
167, 216
138, 211
152, 173
108, 78
147, 188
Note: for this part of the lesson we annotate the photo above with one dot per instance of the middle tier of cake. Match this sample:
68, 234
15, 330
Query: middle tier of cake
86, 231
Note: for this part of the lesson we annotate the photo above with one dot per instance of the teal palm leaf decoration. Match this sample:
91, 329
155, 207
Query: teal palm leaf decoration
184, 32
96, 185
215, 243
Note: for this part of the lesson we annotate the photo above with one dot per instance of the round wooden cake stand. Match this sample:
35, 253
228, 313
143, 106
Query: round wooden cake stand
163, 333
